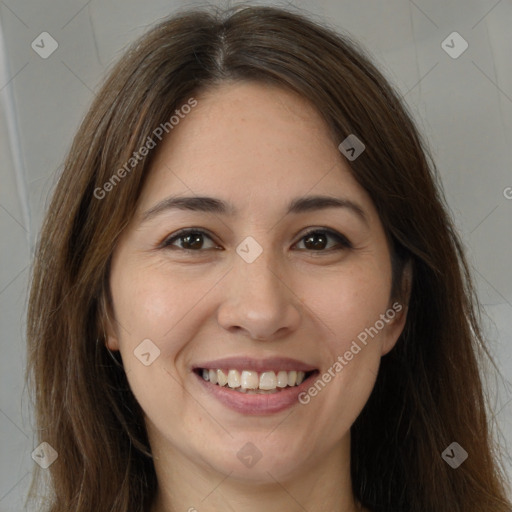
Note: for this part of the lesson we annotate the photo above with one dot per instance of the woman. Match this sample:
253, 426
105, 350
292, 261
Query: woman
248, 293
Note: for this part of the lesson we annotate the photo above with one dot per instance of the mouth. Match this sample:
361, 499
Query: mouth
251, 386
252, 382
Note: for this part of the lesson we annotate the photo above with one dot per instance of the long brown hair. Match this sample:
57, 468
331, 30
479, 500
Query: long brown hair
429, 390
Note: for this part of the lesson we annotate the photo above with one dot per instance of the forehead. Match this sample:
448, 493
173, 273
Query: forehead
250, 143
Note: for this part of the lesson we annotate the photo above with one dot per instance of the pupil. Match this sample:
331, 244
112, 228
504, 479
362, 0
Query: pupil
316, 245
192, 241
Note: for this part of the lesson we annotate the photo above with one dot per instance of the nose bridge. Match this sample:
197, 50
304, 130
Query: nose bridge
257, 300
260, 278
257, 279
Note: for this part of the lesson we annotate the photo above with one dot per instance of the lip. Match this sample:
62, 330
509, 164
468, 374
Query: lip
258, 365
256, 404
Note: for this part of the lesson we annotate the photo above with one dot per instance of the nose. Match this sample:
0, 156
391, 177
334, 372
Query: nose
257, 301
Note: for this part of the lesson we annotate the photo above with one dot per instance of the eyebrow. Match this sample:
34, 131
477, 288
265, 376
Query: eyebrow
219, 207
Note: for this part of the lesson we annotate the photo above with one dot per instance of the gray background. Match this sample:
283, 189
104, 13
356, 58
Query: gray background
463, 106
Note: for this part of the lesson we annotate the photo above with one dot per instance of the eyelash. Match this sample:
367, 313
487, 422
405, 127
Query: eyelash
340, 239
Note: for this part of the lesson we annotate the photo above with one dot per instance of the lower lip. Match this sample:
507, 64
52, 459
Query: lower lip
268, 403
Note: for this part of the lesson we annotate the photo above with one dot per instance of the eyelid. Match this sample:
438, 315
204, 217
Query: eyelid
339, 237
166, 242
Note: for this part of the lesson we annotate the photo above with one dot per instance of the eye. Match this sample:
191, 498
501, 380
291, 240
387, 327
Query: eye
190, 239
317, 240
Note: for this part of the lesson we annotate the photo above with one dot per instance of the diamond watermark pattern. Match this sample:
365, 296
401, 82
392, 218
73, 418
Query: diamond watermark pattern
45, 455
454, 45
44, 45
249, 249
249, 455
454, 455
351, 147
146, 352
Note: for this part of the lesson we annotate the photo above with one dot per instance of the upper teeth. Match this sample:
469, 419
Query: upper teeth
248, 379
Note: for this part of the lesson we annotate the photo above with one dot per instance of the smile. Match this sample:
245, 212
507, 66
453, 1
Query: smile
253, 386
253, 382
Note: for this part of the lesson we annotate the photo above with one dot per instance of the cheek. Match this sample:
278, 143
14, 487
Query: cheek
151, 304
349, 305
350, 301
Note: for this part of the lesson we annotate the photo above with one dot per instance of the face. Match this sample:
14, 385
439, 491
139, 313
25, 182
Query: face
255, 288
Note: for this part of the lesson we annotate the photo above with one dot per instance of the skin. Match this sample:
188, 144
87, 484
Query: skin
257, 147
